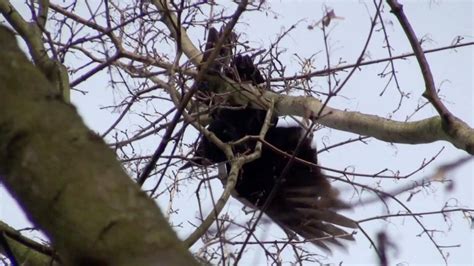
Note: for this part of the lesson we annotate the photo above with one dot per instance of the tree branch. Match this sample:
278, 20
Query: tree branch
453, 127
67, 180
423, 131
31, 34
170, 20
25, 250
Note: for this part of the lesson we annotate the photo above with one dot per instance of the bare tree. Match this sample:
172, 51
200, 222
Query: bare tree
141, 60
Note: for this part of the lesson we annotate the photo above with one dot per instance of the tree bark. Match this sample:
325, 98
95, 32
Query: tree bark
68, 181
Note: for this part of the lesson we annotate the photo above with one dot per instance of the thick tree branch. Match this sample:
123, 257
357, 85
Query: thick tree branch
25, 250
32, 35
179, 34
67, 180
423, 131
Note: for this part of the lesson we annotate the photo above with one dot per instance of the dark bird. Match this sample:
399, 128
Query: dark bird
304, 201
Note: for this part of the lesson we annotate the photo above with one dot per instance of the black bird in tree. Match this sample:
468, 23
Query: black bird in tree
304, 201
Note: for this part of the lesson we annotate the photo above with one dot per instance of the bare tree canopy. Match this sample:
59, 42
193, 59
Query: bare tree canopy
236, 133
